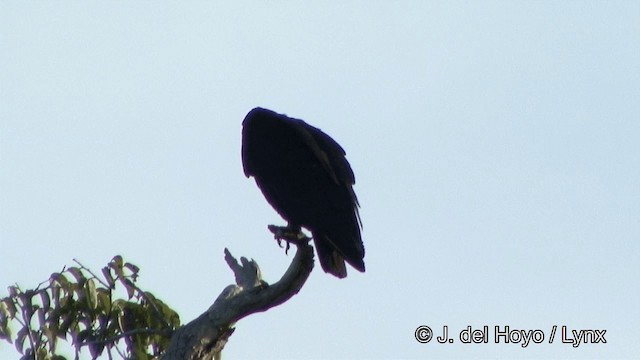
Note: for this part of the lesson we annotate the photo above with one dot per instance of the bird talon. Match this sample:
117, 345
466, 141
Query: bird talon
289, 235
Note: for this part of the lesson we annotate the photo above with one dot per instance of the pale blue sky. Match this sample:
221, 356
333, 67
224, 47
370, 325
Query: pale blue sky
495, 146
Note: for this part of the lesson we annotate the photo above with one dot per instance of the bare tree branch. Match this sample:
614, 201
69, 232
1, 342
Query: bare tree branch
206, 336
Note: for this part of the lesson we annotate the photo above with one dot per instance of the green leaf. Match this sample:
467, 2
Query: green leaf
58, 278
27, 307
91, 294
55, 293
46, 300
66, 297
5, 332
134, 270
51, 333
128, 285
78, 290
77, 273
20, 338
140, 352
149, 295
41, 353
118, 260
13, 291
82, 336
41, 318
126, 319
106, 272
96, 349
67, 320
116, 265
4, 313
104, 301
11, 308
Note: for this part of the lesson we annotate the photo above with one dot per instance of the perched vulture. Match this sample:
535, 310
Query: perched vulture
304, 175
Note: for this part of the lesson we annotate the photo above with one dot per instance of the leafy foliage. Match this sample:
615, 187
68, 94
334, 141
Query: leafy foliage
77, 305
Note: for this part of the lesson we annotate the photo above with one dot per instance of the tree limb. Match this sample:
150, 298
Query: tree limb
206, 336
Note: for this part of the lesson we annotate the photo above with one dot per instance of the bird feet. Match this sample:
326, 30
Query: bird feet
292, 235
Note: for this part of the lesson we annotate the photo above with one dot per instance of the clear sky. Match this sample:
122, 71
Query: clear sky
495, 146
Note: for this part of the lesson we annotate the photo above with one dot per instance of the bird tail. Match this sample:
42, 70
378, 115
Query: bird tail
331, 260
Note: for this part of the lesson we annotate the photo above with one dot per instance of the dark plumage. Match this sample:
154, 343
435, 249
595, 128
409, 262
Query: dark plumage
304, 175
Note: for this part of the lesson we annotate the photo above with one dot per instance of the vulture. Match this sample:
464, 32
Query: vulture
304, 175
